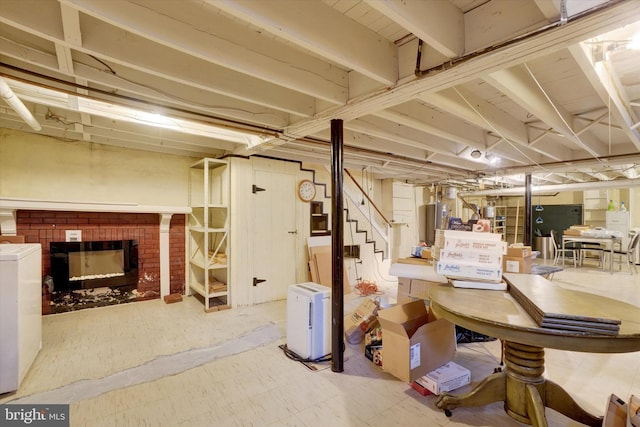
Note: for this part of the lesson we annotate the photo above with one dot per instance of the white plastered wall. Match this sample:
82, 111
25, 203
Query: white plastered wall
43, 168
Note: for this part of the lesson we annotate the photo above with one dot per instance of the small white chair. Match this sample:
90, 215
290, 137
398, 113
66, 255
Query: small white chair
590, 248
630, 254
574, 252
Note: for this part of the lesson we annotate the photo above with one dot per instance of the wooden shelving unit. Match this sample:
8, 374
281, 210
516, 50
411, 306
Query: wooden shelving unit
499, 223
209, 232
594, 204
515, 224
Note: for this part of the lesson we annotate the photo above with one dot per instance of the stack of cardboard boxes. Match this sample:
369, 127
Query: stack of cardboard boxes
414, 342
468, 255
518, 259
406, 340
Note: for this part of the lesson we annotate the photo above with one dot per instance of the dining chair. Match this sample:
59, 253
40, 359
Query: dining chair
590, 248
630, 254
573, 251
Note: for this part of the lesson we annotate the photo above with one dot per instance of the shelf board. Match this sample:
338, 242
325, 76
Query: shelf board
200, 290
217, 266
218, 294
207, 230
200, 264
210, 206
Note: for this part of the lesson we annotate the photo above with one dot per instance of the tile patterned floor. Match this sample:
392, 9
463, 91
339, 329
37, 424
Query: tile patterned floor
153, 364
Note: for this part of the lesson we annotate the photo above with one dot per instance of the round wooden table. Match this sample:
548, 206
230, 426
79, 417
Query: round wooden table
521, 386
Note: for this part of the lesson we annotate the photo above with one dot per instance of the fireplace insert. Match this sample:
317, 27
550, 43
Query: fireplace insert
85, 265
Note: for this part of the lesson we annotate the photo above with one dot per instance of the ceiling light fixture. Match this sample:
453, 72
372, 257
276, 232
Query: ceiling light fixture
492, 158
54, 98
476, 154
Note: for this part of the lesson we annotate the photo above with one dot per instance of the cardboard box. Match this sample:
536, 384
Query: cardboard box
517, 265
419, 388
414, 261
616, 413
519, 251
572, 232
469, 271
320, 266
633, 411
449, 376
414, 341
478, 257
373, 335
426, 253
373, 352
475, 245
442, 235
364, 314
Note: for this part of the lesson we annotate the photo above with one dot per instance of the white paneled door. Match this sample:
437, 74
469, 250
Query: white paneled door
274, 235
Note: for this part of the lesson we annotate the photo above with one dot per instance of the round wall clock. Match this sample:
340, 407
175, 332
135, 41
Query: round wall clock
306, 190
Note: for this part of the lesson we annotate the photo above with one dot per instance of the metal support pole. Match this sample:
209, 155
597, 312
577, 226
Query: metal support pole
526, 238
337, 248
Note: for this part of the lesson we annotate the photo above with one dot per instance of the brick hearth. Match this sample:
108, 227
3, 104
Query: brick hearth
46, 226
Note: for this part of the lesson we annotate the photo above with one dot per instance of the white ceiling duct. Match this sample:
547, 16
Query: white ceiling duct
519, 191
17, 105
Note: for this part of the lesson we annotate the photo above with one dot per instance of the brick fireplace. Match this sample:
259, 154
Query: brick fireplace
44, 227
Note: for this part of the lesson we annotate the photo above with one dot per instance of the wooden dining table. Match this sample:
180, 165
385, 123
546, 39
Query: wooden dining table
609, 244
521, 385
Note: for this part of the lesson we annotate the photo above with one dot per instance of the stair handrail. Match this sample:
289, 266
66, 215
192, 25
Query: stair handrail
367, 197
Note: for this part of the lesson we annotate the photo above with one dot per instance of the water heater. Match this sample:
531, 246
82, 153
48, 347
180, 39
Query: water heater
436, 214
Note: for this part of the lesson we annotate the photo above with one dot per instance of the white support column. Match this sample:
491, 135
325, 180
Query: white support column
8, 225
165, 278
187, 269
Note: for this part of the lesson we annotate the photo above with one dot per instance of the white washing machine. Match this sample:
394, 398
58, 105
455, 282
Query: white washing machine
20, 311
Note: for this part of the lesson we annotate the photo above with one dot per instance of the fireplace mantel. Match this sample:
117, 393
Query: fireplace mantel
57, 205
9, 207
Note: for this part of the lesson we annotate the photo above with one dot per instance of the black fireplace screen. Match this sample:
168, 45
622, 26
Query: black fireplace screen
82, 265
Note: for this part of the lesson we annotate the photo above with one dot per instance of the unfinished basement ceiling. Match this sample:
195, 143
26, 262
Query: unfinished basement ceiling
528, 87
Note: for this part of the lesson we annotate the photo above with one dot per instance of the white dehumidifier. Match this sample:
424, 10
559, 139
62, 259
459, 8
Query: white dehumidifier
309, 320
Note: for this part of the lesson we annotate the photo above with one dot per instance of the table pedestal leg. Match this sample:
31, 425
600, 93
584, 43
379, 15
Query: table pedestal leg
491, 389
559, 400
524, 369
523, 389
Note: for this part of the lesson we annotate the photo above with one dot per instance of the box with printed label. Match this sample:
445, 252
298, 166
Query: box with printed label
442, 235
469, 271
447, 377
517, 265
475, 245
414, 341
470, 256
364, 313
